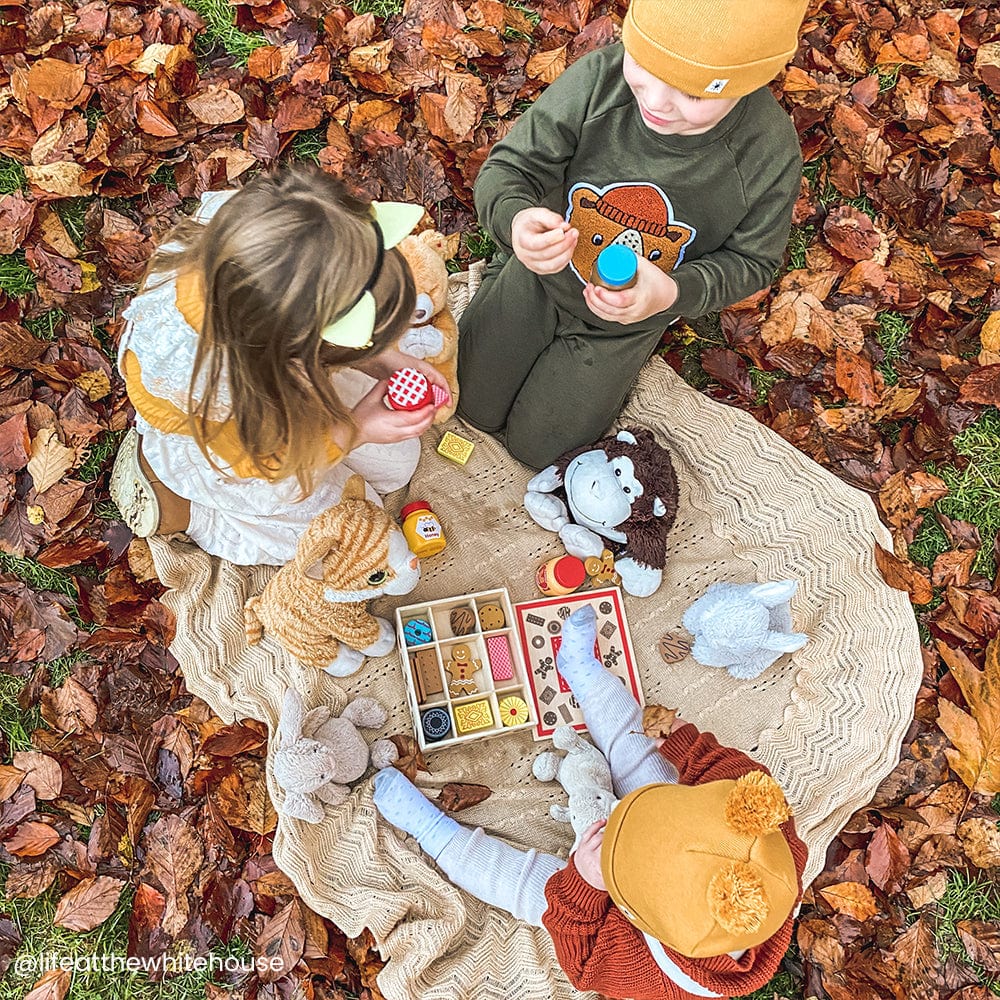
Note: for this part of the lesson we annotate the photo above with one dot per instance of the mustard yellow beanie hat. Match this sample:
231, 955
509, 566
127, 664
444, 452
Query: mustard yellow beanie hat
713, 48
704, 869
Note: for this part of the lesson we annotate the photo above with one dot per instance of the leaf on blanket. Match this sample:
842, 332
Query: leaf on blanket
457, 795
975, 734
657, 720
410, 758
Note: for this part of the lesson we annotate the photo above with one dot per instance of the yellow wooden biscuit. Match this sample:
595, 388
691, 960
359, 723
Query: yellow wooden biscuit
455, 447
513, 711
475, 715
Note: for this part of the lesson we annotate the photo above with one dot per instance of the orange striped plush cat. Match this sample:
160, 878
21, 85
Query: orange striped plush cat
316, 606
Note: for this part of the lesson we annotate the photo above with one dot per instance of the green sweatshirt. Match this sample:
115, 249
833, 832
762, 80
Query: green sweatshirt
714, 210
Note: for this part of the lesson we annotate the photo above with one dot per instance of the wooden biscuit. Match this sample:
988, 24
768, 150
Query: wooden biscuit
426, 676
462, 621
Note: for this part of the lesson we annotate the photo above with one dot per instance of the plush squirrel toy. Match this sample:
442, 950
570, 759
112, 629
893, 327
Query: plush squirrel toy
584, 774
319, 754
433, 335
623, 489
316, 606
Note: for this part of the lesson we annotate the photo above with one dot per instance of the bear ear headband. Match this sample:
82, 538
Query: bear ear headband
392, 221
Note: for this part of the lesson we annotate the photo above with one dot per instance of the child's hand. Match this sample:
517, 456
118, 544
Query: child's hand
653, 292
587, 856
674, 726
377, 424
542, 240
386, 362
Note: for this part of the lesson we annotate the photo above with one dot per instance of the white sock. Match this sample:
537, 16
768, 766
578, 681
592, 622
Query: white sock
501, 875
406, 807
613, 716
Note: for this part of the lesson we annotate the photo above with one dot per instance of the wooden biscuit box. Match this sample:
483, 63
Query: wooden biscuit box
464, 672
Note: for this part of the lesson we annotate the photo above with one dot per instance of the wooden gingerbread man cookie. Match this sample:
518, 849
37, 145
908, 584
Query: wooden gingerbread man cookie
460, 669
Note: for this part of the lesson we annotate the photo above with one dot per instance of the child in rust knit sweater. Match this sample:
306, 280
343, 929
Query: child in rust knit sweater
687, 890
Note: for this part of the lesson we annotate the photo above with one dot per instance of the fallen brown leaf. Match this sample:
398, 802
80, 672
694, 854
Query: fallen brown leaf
457, 795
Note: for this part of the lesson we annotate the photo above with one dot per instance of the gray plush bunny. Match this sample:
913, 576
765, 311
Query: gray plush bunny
584, 774
320, 754
743, 627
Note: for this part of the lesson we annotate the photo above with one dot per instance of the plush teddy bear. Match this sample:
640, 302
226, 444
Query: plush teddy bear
584, 774
433, 335
623, 489
743, 627
316, 605
320, 754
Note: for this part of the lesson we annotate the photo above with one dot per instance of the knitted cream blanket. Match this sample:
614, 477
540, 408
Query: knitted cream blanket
828, 720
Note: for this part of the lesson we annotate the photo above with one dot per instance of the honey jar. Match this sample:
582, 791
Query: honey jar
421, 529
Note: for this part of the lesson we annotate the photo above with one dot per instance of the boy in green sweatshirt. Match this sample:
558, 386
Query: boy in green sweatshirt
670, 144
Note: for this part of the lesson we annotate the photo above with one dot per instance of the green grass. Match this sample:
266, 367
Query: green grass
887, 77
893, 331
762, 383
799, 241
73, 211
782, 987
974, 490
968, 897
164, 174
825, 191
479, 243
16, 724
929, 542
12, 176
862, 204
221, 31
306, 145
107, 510
529, 13
16, 278
380, 8
97, 456
102, 946
37, 576
48, 326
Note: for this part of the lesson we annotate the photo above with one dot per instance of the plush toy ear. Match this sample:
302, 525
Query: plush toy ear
626, 437
290, 721
785, 642
317, 543
354, 489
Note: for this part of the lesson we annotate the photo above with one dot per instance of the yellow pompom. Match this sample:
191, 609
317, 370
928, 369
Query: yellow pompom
756, 805
737, 899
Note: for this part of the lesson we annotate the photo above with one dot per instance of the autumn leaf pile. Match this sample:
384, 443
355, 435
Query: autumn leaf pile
874, 350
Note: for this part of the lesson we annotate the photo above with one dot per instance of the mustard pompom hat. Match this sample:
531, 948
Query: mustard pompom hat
704, 869
713, 48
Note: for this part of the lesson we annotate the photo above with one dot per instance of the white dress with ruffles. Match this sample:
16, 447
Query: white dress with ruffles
245, 520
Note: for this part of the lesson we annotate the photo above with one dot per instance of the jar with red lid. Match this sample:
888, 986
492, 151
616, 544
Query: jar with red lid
560, 576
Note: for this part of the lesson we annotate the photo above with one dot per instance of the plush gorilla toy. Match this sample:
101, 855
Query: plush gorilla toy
622, 489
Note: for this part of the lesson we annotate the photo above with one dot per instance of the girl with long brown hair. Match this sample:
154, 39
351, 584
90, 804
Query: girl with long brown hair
255, 356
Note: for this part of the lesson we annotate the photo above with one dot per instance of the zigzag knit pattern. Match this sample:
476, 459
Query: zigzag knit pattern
827, 720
